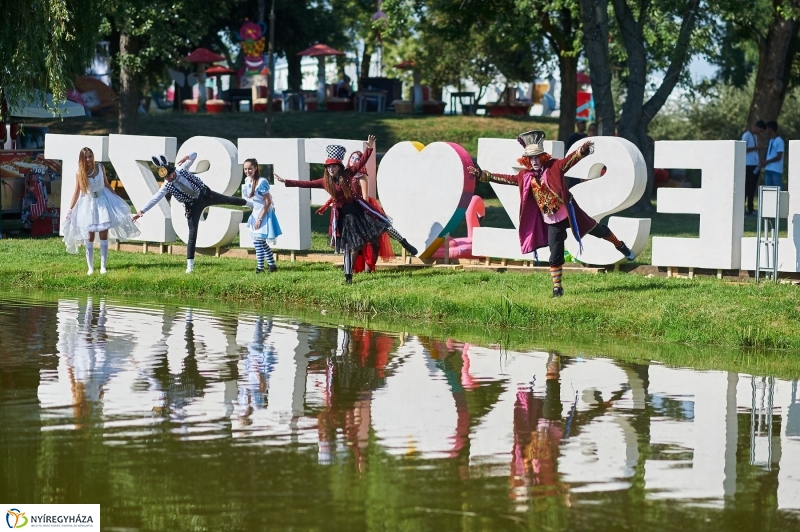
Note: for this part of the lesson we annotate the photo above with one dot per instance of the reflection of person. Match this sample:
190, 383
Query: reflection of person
547, 209
538, 430
190, 190
752, 168
263, 223
95, 208
354, 224
773, 164
258, 368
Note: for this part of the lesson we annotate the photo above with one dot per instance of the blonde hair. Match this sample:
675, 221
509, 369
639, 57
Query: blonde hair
84, 171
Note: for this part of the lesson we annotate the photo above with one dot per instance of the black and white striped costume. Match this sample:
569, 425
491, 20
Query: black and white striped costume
195, 195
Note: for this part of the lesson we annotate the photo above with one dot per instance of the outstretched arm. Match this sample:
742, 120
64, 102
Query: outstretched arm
150, 204
317, 183
483, 175
359, 167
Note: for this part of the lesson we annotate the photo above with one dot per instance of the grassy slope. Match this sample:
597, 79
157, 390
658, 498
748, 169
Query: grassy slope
701, 311
389, 128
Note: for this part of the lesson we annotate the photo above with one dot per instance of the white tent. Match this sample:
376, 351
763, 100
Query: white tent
33, 109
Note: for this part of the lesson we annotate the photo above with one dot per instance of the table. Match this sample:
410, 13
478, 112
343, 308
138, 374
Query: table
470, 96
236, 96
377, 95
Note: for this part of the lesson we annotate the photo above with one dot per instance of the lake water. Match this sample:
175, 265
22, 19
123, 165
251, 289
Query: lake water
180, 418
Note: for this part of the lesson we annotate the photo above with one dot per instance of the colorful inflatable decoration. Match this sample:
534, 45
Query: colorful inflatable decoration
253, 43
461, 248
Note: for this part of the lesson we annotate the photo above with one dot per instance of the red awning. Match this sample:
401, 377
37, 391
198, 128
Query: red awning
217, 70
203, 55
406, 64
320, 50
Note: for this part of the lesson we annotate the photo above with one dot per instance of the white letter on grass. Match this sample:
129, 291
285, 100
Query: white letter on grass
620, 187
500, 156
67, 149
217, 166
719, 201
291, 204
130, 155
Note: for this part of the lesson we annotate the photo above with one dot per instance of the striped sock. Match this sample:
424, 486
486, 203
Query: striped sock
613, 239
268, 254
555, 275
259, 245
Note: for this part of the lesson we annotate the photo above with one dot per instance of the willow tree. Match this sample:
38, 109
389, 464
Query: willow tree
44, 44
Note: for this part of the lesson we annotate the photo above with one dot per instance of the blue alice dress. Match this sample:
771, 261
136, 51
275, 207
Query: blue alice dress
269, 229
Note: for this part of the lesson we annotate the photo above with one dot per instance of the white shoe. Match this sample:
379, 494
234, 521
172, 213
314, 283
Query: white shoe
90, 272
189, 270
102, 270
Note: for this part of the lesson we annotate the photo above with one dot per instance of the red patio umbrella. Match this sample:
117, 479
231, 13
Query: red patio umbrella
218, 70
583, 79
320, 51
202, 56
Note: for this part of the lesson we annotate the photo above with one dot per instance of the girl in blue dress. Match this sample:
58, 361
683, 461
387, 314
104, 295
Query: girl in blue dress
263, 223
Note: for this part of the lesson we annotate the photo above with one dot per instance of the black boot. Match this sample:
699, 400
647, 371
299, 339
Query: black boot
272, 268
558, 291
259, 270
411, 249
348, 278
626, 251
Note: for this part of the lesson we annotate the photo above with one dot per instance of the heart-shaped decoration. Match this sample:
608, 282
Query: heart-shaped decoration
425, 190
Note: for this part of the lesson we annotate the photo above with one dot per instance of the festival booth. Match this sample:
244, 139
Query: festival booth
30, 190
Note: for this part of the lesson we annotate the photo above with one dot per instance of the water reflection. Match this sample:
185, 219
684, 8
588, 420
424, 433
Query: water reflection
497, 434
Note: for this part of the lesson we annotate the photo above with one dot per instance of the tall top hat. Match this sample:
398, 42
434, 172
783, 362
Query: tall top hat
164, 167
335, 154
533, 142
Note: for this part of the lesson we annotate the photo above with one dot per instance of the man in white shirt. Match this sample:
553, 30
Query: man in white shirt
773, 164
752, 170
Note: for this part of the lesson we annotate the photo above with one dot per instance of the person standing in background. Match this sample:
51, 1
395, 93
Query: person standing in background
773, 164
752, 170
580, 125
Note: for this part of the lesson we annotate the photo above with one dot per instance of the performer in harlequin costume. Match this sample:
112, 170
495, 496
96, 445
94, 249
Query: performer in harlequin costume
354, 223
547, 209
190, 190
382, 247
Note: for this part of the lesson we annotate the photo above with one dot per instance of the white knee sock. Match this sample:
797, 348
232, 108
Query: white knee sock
90, 256
103, 255
189, 265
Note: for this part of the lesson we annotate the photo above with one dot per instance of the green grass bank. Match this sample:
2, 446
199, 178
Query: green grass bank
698, 312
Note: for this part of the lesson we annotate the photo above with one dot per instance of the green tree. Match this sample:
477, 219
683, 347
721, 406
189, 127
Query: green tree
646, 37
44, 45
150, 35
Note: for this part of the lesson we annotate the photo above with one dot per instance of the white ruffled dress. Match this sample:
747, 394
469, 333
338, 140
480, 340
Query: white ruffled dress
98, 210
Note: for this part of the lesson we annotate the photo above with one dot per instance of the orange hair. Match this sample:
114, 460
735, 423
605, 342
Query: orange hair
545, 160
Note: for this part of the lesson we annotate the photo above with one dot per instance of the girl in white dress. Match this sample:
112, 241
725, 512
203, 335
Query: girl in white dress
95, 208
263, 223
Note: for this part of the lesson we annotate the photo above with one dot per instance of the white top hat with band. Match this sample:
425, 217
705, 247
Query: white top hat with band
533, 142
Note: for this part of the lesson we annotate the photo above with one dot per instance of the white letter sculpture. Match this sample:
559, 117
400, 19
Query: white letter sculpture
67, 148
500, 156
620, 187
425, 191
719, 201
788, 248
128, 154
217, 166
291, 204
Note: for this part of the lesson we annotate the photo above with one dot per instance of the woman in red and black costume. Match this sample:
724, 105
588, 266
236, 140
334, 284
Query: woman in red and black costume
382, 247
354, 223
